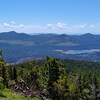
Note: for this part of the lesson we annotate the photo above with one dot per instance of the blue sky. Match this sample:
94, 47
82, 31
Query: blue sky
55, 16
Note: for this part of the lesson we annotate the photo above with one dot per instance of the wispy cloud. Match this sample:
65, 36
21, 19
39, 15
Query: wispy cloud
12, 24
59, 27
6, 25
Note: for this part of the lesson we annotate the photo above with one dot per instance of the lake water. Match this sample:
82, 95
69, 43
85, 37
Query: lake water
79, 51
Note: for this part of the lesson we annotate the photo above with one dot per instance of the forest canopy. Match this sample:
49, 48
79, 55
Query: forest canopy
52, 78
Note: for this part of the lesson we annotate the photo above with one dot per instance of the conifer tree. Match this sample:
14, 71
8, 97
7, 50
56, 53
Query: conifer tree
3, 70
53, 77
14, 73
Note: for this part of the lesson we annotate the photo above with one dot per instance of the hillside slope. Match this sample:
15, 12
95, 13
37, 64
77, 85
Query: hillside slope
23, 46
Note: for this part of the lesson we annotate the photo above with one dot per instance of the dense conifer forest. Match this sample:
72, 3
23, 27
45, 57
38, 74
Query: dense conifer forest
50, 79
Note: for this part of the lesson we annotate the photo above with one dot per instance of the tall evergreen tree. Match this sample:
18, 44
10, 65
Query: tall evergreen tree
53, 77
14, 73
5, 82
3, 71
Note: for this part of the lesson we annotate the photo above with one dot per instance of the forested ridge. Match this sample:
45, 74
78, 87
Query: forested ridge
50, 79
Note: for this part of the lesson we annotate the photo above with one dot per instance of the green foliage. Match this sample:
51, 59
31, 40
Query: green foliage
62, 80
53, 78
11, 95
14, 75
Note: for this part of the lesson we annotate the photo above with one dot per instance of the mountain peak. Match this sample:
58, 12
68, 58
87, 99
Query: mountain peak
12, 32
88, 34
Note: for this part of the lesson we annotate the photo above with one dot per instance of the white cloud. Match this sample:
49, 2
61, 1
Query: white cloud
49, 25
6, 24
61, 25
21, 25
58, 27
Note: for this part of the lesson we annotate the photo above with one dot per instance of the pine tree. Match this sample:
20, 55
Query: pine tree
5, 82
53, 77
10, 72
94, 87
3, 70
14, 74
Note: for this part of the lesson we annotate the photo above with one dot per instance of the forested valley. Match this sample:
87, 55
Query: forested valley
50, 79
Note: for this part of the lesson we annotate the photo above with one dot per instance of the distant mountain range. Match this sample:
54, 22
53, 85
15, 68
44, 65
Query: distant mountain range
21, 46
